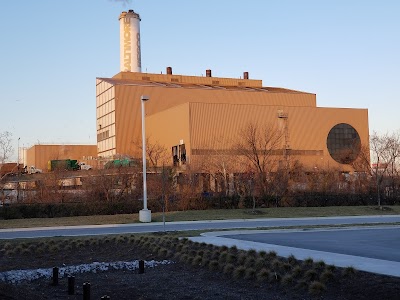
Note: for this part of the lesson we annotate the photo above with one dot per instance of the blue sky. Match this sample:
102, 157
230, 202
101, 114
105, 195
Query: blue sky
346, 52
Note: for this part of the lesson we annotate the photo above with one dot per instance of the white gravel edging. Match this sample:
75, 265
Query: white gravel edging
18, 276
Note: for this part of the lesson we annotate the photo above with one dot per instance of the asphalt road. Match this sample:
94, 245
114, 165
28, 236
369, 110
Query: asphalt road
379, 243
194, 225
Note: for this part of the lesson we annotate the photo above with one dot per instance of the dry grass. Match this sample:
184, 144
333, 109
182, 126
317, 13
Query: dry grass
223, 214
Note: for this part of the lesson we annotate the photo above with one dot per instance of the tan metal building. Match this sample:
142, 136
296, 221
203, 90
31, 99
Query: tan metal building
203, 115
39, 155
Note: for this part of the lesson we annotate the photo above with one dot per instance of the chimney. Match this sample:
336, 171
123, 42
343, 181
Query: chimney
245, 75
169, 71
208, 73
129, 35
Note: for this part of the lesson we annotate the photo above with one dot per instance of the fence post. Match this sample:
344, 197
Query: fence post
141, 266
86, 291
71, 285
55, 276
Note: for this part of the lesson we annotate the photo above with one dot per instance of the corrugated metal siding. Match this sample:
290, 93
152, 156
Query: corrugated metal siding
169, 127
39, 155
128, 106
216, 126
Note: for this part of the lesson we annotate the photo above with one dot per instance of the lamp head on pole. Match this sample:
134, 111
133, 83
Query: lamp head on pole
145, 98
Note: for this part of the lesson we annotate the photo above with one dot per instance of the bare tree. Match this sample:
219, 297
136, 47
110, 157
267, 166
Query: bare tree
5, 146
155, 152
383, 152
260, 148
219, 164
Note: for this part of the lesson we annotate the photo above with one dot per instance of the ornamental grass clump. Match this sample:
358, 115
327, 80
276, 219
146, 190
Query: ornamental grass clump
277, 265
183, 258
310, 275
288, 280
260, 263
249, 262
242, 258
297, 271
250, 273
222, 257
292, 260
228, 269
331, 268
320, 265
302, 284
263, 275
122, 239
54, 248
308, 262
7, 246
239, 272
213, 265
316, 288
162, 252
326, 276
231, 258
262, 253
348, 271
287, 266
223, 248
197, 261
233, 249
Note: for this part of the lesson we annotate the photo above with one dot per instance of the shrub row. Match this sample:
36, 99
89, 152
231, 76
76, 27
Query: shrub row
85, 208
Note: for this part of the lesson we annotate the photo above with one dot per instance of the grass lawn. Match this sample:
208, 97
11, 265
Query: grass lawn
223, 214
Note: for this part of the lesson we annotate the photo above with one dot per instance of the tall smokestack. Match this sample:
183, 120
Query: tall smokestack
129, 33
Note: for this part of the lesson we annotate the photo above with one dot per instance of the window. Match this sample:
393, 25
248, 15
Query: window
175, 157
182, 151
343, 143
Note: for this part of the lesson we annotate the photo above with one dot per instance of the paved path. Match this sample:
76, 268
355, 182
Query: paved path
375, 250
189, 225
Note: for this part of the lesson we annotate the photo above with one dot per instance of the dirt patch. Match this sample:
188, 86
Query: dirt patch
189, 277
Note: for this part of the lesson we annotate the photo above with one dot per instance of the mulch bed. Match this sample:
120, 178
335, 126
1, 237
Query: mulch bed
175, 281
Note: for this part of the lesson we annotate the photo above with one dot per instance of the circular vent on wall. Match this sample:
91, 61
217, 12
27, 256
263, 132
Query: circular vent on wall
344, 144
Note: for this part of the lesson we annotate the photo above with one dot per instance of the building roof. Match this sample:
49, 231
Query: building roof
194, 82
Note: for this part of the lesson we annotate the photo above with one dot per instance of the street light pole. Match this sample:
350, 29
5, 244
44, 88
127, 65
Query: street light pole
18, 170
18, 157
144, 214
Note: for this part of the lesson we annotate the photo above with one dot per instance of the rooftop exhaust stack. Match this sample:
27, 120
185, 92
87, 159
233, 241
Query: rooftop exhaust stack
129, 33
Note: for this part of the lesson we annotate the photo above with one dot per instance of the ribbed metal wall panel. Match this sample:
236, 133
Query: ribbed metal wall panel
39, 155
128, 106
216, 126
170, 127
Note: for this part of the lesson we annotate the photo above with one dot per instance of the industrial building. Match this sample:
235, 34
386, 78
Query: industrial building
196, 117
39, 155
205, 114
200, 117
